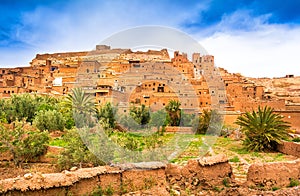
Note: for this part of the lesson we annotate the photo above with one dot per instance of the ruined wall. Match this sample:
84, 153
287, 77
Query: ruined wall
277, 174
199, 174
290, 148
117, 180
154, 177
293, 117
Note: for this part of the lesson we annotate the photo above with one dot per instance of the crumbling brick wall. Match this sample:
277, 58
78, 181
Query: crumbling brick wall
202, 173
290, 148
277, 174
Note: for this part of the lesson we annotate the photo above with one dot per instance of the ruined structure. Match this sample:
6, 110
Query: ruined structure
151, 78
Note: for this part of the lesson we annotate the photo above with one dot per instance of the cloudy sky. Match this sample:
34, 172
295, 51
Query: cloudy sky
253, 37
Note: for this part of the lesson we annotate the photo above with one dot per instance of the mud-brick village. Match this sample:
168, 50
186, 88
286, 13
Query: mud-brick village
162, 98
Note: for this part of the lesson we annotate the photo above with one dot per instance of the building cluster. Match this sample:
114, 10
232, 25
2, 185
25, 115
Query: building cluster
152, 78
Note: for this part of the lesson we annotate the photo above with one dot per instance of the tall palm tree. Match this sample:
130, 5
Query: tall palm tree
173, 109
80, 102
264, 129
81, 106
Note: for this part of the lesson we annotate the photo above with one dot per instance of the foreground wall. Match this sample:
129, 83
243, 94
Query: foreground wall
154, 177
270, 175
290, 148
212, 174
108, 180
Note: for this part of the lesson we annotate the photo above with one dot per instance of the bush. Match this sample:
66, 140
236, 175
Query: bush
107, 114
294, 182
23, 144
263, 129
50, 120
76, 153
141, 115
297, 139
209, 122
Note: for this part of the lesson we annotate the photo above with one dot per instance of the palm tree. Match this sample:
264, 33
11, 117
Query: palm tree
80, 102
173, 109
81, 106
263, 129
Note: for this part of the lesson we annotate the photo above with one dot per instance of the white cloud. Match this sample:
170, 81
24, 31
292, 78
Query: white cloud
257, 49
240, 43
80, 26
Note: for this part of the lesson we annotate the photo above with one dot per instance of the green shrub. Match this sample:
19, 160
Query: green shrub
297, 139
294, 182
226, 182
274, 188
77, 153
50, 120
107, 113
23, 144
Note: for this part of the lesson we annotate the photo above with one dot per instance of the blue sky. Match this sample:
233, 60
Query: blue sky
253, 37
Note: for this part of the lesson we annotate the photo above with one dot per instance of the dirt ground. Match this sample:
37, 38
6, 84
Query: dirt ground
9, 170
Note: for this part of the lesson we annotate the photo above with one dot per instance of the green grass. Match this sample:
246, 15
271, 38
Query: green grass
58, 142
192, 146
235, 159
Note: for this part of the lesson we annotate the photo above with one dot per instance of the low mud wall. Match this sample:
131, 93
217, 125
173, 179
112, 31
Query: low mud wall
171, 129
290, 148
105, 180
155, 177
270, 175
198, 174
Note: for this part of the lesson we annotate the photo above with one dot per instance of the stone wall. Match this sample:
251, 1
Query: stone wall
277, 174
290, 148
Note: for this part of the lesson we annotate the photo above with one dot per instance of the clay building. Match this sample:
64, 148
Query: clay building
152, 78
